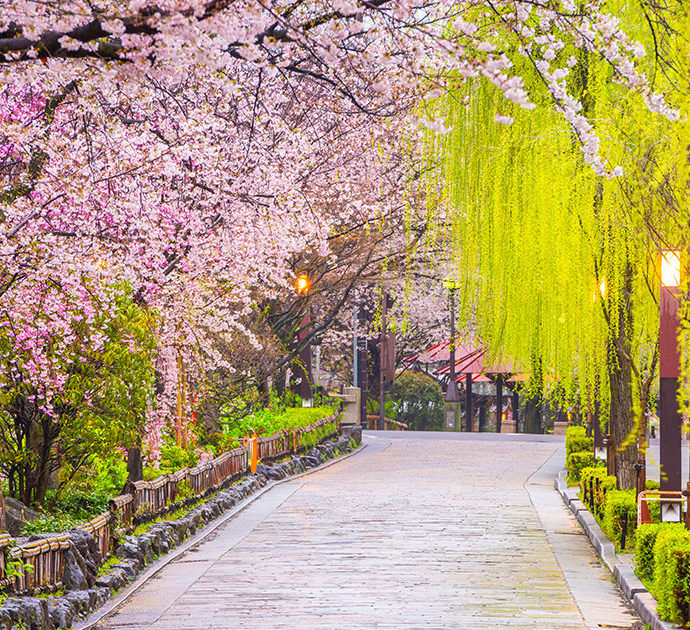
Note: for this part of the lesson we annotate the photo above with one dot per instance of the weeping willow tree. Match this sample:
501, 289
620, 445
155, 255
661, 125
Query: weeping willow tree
557, 265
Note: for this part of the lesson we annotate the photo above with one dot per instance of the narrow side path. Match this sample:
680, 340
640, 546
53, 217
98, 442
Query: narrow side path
417, 531
590, 583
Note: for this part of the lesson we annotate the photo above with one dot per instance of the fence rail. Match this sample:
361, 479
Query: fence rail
659, 496
42, 563
142, 501
5, 544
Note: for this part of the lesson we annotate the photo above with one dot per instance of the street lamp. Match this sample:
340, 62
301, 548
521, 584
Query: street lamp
670, 420
303, 285
670, 268
452, 393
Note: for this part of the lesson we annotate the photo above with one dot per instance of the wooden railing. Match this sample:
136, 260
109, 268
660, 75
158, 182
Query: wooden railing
372, 420
5, 544
122, 511
151, 498
101, 529
40, 562
274, 446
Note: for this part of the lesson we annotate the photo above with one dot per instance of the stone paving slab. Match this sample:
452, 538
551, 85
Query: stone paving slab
597, 595
414, 532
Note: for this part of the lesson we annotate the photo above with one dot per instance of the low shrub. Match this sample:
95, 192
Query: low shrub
672, 572
596, 497
650, 484
418, 401
54, 522
620, 513
268, 422
645, 537
576, 440
575, 462
175, 458
677, 591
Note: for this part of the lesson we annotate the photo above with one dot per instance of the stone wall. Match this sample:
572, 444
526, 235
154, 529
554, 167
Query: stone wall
85, 590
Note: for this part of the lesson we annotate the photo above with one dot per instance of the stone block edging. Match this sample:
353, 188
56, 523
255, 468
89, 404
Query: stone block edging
136, 552
639, 597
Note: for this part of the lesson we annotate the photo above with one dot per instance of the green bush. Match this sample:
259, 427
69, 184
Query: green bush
678, 588
576, 440
671, 572
174, 458
645, 537
390, 409
268, 421
606, 484
55, 522
576, 461
418, 401
315, 437
619, 506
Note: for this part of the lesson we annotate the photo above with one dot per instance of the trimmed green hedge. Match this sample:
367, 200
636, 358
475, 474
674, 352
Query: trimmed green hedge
579, 452
576, 440
672, 572
620, 506
606, 484
645, 538
576, 462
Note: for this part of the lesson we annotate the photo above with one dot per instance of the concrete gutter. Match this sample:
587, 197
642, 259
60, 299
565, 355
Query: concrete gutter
640, 599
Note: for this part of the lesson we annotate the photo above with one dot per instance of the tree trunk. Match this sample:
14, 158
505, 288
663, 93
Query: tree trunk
135, 464
621, 425
532, 416
620, 383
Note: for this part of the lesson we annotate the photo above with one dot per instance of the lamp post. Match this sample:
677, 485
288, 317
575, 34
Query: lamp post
452, 394
670, 420
382, 362
303, 285
355, 342
362, 362
499, 402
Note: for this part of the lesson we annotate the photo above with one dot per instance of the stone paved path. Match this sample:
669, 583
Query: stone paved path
416, 531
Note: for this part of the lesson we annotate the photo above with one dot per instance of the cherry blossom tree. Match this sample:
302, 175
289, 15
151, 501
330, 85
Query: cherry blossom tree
195, 149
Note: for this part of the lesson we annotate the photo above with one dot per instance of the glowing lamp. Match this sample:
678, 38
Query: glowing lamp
670, 268
302, 284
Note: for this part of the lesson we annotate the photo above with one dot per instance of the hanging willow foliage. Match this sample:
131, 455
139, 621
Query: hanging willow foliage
543, 248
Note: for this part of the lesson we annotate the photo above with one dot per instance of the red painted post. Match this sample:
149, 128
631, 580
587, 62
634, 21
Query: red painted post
670, 420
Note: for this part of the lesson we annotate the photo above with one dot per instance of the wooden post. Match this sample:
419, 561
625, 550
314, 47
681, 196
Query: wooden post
468, 402
670, 420
362, 365
255, 452
516, 409
499, 402
482, 417
382, 369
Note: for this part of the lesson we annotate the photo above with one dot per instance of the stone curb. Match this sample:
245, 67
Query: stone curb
631, 586
91, 596
120, 598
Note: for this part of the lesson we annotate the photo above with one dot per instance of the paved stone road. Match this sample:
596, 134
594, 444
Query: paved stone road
416, 531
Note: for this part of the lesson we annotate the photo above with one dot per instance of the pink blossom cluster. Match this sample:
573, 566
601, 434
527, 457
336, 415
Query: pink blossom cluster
192, 150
